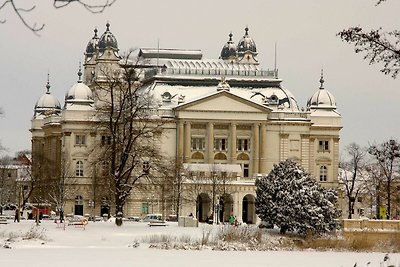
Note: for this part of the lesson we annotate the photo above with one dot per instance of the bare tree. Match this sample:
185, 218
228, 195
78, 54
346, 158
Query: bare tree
387, 156
352, 173
62, 189
374, 185
378, 46
128, 117
20, 10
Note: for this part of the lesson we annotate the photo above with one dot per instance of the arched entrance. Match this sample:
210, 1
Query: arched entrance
249, 209
203, 207
225, 207
79, 205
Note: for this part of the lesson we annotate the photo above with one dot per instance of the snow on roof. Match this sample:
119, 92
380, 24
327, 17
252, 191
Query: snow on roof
204, 167
159, 53
176, 94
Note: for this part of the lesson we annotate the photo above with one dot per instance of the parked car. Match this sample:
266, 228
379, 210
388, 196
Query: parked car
152, 217
132, 219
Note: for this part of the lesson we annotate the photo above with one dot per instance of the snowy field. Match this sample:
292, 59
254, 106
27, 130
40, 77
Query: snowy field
104, 244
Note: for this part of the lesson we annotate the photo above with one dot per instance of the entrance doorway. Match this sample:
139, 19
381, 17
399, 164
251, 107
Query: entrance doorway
79, 205
248, 209
203, 207
225, 208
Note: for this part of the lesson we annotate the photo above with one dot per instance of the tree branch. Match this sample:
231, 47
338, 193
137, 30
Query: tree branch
90, 7
34, 27
379, 47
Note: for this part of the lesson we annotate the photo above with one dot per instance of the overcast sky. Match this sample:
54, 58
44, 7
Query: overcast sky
305, 32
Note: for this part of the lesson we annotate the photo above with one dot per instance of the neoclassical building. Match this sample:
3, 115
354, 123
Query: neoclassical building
228, 119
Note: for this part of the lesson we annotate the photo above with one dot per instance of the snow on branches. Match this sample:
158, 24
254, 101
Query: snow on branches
292, 200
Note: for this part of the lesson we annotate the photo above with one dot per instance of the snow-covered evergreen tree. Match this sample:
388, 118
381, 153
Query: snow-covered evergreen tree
292, 200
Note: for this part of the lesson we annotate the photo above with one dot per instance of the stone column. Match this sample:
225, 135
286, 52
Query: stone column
263, 149
256, 147
187, 142
180, 141
233, 143
210, 142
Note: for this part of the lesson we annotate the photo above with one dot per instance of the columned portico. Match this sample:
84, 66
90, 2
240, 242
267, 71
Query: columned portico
210, 142
233, 143
256, 146
187, 142
263, 149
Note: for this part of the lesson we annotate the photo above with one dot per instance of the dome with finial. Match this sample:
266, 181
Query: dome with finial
107, 40
229, 49
79, 93
246, 44
322, 99
47, 102
91, 47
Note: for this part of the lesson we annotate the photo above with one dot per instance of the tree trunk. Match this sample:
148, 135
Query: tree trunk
119, 207
283, 230
388, 199
350, 209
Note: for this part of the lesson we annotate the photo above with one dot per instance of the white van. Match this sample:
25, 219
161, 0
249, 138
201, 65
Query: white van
152, 218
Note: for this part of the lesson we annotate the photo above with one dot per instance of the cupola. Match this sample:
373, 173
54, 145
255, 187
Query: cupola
322, 99
47, 103
229, 51
91, 47
246, 44
107, 41
79, 93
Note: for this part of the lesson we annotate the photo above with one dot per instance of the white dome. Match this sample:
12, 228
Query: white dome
79, 93
46, 103
322, 98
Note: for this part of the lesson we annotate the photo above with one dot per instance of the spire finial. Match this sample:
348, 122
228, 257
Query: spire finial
108, 26
321, 80
95, 32
246, 30
230, 37
48, 84
80, 73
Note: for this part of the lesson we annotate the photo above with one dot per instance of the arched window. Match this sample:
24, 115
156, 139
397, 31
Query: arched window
323, 173
79, 168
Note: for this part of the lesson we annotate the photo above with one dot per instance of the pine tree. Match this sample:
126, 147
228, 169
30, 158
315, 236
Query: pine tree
292, 200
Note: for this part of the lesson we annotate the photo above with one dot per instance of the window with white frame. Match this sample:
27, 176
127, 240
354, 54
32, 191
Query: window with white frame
323, 146
198, 143
79, 168
323, 173
80, 140
221, 144
243, 144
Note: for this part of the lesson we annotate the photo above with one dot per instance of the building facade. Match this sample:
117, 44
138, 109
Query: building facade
229, 121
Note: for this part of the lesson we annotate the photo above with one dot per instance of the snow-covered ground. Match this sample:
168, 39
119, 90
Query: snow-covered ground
104, 244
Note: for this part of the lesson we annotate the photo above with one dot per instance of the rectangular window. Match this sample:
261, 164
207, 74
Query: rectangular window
80, 140
105, 140
360, 199
221, 144
145, 208
323, 146
243, 144
245, 170
198, 143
